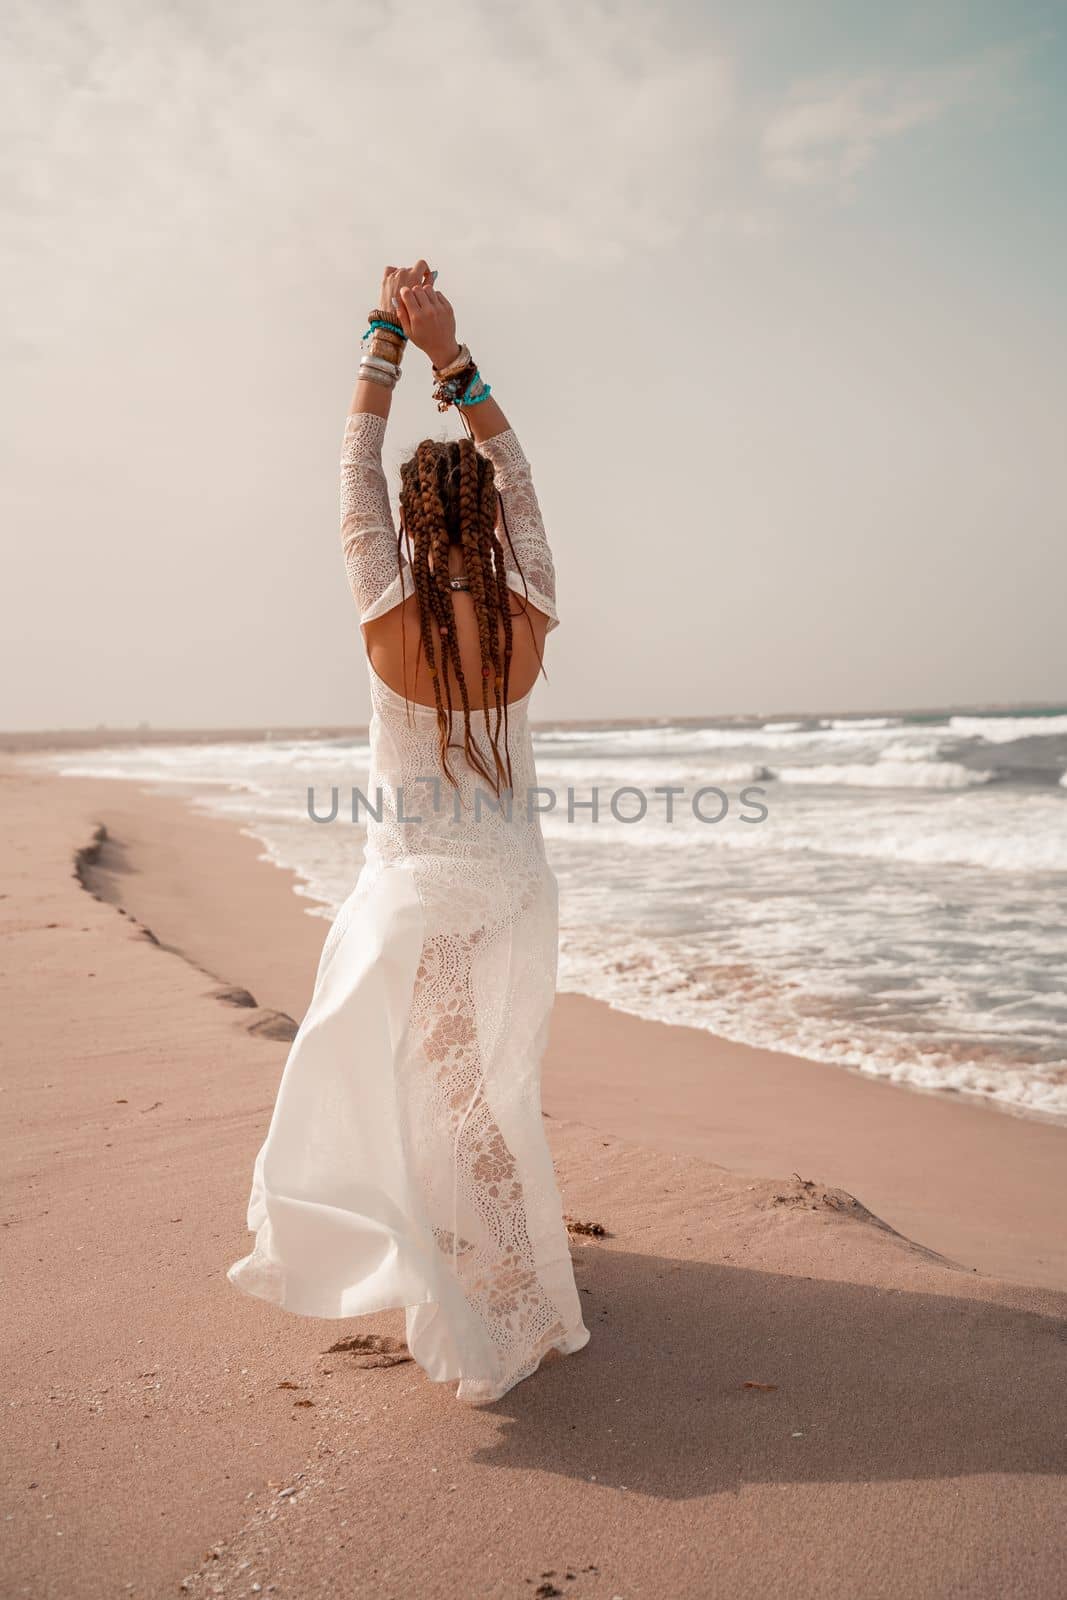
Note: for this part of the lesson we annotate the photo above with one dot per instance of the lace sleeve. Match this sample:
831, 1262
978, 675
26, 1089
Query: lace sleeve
368, 533
528, 559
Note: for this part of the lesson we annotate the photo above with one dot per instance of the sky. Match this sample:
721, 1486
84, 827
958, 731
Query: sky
771, 295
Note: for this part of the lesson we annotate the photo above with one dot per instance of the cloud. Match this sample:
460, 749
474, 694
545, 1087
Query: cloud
825, 133
575, 131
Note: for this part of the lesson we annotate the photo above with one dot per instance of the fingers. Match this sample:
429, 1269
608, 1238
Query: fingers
394, 279
433, 297
414, 302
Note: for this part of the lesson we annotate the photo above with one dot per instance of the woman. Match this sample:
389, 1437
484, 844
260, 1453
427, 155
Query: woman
406, 1163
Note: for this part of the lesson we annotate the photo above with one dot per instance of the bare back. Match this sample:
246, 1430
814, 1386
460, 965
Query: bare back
384, 589
394, 642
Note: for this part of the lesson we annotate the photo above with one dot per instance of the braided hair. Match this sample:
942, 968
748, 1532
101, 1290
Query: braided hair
448, 496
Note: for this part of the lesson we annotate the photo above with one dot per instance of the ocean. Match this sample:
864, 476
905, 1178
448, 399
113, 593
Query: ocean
886, 894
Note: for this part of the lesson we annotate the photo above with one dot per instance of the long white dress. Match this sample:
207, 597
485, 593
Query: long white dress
406, 1163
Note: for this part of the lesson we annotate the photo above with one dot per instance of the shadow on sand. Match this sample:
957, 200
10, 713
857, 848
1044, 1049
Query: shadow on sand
870, 1383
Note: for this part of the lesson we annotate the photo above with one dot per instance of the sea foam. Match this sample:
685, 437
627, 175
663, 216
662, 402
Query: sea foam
887, 773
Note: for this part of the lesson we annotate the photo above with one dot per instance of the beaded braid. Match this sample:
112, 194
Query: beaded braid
428, 514
485, 591
413, 531
498, 574
457, 476
440, 591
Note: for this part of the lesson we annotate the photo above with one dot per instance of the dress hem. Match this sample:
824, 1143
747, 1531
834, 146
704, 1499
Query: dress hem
472, 1391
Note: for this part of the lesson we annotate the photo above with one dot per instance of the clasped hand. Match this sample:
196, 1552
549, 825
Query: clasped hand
423, 311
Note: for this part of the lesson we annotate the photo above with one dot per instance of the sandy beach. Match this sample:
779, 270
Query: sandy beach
828, 1314
686, 663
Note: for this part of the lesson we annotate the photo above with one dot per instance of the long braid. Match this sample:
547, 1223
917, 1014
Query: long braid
448, 495
486, 560
483, 588
494, 560
433, 513
441, 589
435, 463
468, 532
415, 520
496, 582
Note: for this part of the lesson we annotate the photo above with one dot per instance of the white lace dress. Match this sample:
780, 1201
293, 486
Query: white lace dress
406, 1163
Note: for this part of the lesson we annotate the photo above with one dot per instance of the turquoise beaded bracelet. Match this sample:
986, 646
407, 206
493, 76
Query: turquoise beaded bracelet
467, 399
391, 326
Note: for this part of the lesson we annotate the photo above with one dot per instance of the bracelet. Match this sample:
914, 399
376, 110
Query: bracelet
378, 330
392, 327
387, 319
378, 364
449, 390
378, 342
456, 366
383, 342
475, 392
370, 376
384, 345
379, 372
466, 389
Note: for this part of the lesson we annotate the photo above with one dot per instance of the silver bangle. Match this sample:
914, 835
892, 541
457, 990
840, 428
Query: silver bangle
370, 376
380, 364
387, 375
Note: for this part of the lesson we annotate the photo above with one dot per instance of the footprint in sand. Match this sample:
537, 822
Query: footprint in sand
371, 1350
266, 1024
273, 1025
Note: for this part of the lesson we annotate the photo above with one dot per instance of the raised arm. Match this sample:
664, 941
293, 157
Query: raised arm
378, 578
520, 528
429, 321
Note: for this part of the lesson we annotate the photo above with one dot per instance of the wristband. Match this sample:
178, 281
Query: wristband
455, 366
